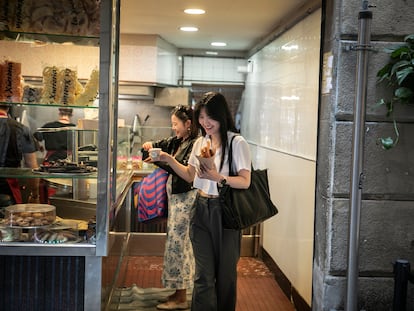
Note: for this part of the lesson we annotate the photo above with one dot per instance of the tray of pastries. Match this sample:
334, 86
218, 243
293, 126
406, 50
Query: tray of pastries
8, 234
64, 167
48, 236
29, 215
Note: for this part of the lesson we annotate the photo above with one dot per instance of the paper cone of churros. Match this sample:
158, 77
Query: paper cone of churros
206, 156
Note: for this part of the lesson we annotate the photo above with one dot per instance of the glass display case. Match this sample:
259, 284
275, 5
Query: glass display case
83, 72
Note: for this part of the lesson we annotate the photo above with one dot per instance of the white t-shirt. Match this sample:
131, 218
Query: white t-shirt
241, 160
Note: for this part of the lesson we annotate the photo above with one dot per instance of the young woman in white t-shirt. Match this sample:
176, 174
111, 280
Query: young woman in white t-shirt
216, 250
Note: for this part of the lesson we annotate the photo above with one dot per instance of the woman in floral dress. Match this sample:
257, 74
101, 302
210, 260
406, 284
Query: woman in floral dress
178, 270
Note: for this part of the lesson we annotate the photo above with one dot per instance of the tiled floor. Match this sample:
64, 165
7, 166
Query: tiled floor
257, 288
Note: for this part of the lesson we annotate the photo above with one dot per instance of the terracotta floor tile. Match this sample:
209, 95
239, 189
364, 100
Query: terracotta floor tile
257, 288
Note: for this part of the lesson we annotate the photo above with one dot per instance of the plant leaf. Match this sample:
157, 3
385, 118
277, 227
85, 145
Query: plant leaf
386, 143
399, 66
409, 38
402, 74
384, 72
403, 93
400, 51
379, 103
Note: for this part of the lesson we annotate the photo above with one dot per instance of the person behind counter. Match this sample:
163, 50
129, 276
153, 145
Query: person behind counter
57, 143
216, 250
178, 270
16, 144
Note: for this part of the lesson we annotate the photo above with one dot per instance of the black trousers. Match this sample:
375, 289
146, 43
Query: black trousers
216, 253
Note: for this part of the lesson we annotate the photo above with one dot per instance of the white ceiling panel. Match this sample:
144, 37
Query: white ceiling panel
239, 23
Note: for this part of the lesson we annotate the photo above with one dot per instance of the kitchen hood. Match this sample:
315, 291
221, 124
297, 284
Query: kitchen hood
170, 96
136, 90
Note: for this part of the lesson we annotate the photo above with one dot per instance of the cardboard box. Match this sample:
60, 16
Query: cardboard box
88, 124
93, 124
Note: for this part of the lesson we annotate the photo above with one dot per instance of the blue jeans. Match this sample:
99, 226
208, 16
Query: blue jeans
216, 251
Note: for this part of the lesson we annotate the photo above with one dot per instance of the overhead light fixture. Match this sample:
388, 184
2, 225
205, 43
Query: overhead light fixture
194, 11
218, 43
189, 28
211, 53
288, 47
292, 97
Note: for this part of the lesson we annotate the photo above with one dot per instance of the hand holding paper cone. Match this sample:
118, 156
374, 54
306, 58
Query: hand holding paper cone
206, 156
206, 151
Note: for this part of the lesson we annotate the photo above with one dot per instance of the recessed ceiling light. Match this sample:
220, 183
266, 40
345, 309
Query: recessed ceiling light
293, 97
288, 47
194, 11
218, 43
211, 53
189, 28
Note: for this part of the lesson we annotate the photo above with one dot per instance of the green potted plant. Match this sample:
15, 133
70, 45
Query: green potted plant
399, 75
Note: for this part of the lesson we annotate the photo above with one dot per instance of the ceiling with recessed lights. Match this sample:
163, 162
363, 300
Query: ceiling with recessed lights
241, 24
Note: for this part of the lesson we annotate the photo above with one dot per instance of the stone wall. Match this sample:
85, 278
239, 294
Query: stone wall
387, 209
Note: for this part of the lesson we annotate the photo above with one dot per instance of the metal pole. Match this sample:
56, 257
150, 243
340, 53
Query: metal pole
357, 177
401, 276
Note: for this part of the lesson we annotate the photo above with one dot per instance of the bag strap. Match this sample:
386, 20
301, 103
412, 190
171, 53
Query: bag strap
231, 173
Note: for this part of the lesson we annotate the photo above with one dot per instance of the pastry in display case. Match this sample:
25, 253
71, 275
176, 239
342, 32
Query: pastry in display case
75, 17
10, 81
65, 167
50, 236
29, 215
59, 86
38, 223
9, 234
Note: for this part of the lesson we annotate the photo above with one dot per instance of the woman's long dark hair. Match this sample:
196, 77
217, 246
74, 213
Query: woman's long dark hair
216, 107
185, 113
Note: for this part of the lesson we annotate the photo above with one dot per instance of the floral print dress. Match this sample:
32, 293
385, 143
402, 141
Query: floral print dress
178, 272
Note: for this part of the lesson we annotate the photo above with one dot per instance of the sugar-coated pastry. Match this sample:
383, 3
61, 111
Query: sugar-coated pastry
11, 82
90, 91
50, 85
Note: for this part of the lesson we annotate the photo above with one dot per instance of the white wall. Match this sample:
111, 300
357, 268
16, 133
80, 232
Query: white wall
214, 70
279, 118
147, 58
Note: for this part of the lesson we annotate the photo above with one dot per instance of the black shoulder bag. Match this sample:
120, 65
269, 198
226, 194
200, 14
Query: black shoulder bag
242, 208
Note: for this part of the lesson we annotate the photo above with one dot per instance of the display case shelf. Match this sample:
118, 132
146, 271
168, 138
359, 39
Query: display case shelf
35, 104
63, 129
33, 249
44, 38
9, 172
